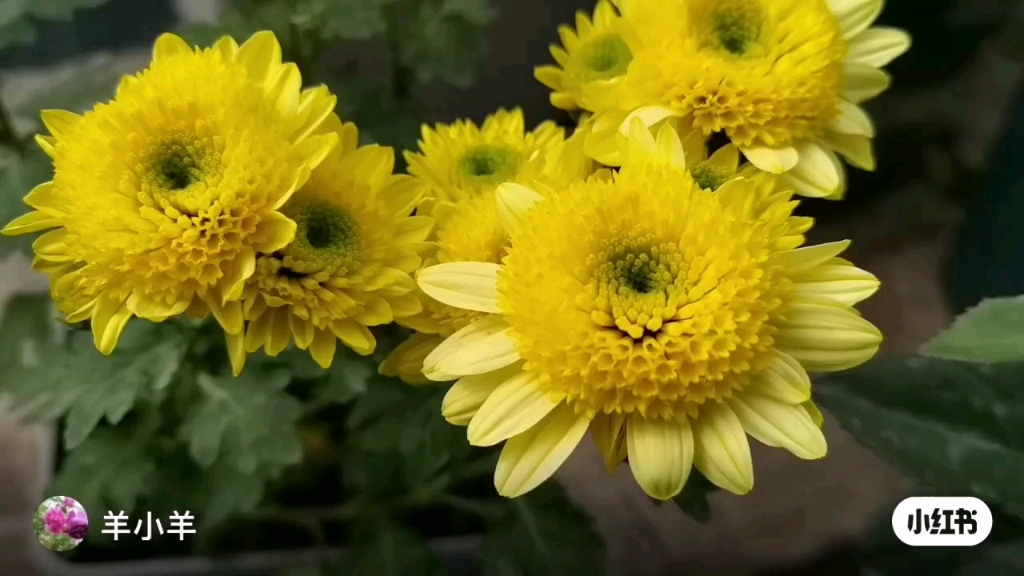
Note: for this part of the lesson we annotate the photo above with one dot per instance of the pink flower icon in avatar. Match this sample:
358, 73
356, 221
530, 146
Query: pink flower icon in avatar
60, 523
56, 521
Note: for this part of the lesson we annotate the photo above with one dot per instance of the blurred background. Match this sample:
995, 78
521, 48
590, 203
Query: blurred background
941, 222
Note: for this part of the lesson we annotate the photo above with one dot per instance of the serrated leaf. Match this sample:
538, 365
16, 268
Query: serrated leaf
956, 426
545, 533
78, 382
249, 421
350, 19
234, 492
445, 40
109, 471
693, 500
346, 380
992, 331
387, 549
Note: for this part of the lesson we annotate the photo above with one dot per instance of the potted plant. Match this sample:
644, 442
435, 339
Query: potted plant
250, 310
289, 464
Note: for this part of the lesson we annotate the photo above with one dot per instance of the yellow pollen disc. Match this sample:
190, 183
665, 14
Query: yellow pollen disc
646, 294
766, 72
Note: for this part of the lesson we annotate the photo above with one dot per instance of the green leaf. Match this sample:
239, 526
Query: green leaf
387, 549
545, 533
346, 381
19, 174
16, 17
234, 492
79, 382
26, 327
349, 19
109, 471
250, 421
444, 39
992, 331
957, 426
693, 500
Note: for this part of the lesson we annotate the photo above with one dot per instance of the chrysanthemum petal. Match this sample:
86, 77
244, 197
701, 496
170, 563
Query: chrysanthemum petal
109, 319
863, 82
59, 122
514, 201
406, 360
469, 393
772, 160
721, 450
480, 347
323, 348
609, 433
856, 149
660, 455
550, 76
852, 119
726, 158
780, 425
34, 221
261, 55
168, 45
878, 46
511, 408
827, 337
468, 285
42, 198
236, 352
784, 380
818, 174
855, 15
815, 414
808, 257
670, 148
532, 457
649, 115
837, 279
355, 335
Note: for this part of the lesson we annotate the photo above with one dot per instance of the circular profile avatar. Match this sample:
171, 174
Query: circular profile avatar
60, 523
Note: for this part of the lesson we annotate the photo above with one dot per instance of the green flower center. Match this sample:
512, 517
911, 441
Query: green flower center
605, 56
177, 165
709, 177
326, 239
638, 272
737, 29
489, 163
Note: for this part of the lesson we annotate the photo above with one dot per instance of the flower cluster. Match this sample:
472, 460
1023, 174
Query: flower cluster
213, 184
628, 278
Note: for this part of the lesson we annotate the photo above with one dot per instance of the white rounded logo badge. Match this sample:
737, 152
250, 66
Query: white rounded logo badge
947, 521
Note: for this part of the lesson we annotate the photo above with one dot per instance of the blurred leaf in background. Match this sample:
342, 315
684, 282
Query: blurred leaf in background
992, 331
543, 533
442, 40
18, 17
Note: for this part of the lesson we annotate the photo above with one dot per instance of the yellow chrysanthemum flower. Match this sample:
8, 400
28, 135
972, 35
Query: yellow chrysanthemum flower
460, 160
468, 228
162, 198
669, 320
595, 50
783, 79
350, 264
